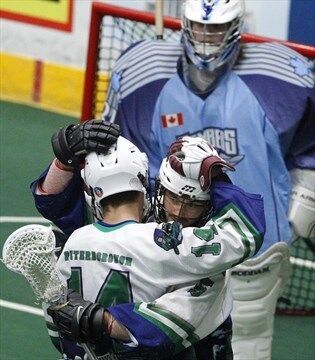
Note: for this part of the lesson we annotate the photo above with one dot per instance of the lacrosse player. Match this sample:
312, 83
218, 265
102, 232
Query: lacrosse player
119, 258
216, 345
79, 139
256, 104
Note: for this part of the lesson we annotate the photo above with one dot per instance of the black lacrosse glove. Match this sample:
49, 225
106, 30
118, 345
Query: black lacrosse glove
79, 320
71, 143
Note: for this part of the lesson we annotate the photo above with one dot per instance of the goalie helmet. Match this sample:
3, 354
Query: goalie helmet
211, 31
123, 168
180, 174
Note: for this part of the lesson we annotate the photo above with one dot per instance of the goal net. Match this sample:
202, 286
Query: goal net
298, 297
112, 30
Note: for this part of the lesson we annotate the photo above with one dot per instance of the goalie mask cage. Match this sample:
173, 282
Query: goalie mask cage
112, 30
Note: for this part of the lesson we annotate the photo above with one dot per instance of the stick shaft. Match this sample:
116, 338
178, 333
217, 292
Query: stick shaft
159, 26
89, 352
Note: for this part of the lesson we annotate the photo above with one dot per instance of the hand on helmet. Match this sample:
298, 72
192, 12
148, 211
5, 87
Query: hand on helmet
71, 143
196, 159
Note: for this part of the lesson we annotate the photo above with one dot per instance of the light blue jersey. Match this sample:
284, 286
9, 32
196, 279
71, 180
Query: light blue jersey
260, 116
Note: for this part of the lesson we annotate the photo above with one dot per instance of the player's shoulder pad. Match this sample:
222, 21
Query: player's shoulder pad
277, 61
149, 51
145, 63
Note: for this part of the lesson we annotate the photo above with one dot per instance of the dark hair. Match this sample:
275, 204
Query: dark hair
126, 197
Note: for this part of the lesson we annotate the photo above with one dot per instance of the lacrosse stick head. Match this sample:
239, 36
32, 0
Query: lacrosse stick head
30, 251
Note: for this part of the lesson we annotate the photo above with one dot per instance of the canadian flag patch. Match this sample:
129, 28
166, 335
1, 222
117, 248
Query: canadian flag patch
171, 120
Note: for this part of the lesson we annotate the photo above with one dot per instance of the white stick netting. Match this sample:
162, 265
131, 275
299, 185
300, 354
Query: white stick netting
30, 251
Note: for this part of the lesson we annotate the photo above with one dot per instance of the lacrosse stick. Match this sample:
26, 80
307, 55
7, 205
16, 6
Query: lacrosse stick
30, 251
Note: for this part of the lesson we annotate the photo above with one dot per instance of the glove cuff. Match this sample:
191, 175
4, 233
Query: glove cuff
208, 165
61, 148
92, 323
97, 324
62, 166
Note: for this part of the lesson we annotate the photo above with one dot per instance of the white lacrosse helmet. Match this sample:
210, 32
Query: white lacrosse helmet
123, 168
181, 184
207, 47
182, 173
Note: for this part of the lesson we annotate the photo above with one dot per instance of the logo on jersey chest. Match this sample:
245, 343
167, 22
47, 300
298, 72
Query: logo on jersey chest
171, 120
224, 140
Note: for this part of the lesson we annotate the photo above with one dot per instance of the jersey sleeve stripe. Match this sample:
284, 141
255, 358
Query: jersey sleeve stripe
181, 334
250, 236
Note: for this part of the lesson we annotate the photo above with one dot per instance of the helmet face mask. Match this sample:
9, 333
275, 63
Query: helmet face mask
178, 197
169, 206
207, 39
211, 31
210, 40
183, 186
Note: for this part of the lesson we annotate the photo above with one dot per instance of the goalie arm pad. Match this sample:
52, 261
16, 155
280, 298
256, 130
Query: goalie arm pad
72, 142
302, 203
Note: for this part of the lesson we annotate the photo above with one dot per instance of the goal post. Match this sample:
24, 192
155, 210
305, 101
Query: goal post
113, 29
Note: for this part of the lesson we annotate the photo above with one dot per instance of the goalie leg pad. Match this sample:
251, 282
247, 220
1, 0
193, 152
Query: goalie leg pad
256, 285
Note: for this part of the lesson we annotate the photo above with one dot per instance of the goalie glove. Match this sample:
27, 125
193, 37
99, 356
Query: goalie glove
72, 142
79, 320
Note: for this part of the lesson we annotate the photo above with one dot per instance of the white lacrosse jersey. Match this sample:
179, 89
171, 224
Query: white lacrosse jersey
134, 264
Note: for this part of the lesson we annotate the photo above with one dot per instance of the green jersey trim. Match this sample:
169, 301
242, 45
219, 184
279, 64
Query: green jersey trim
108, 228
231, 215
178, 330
